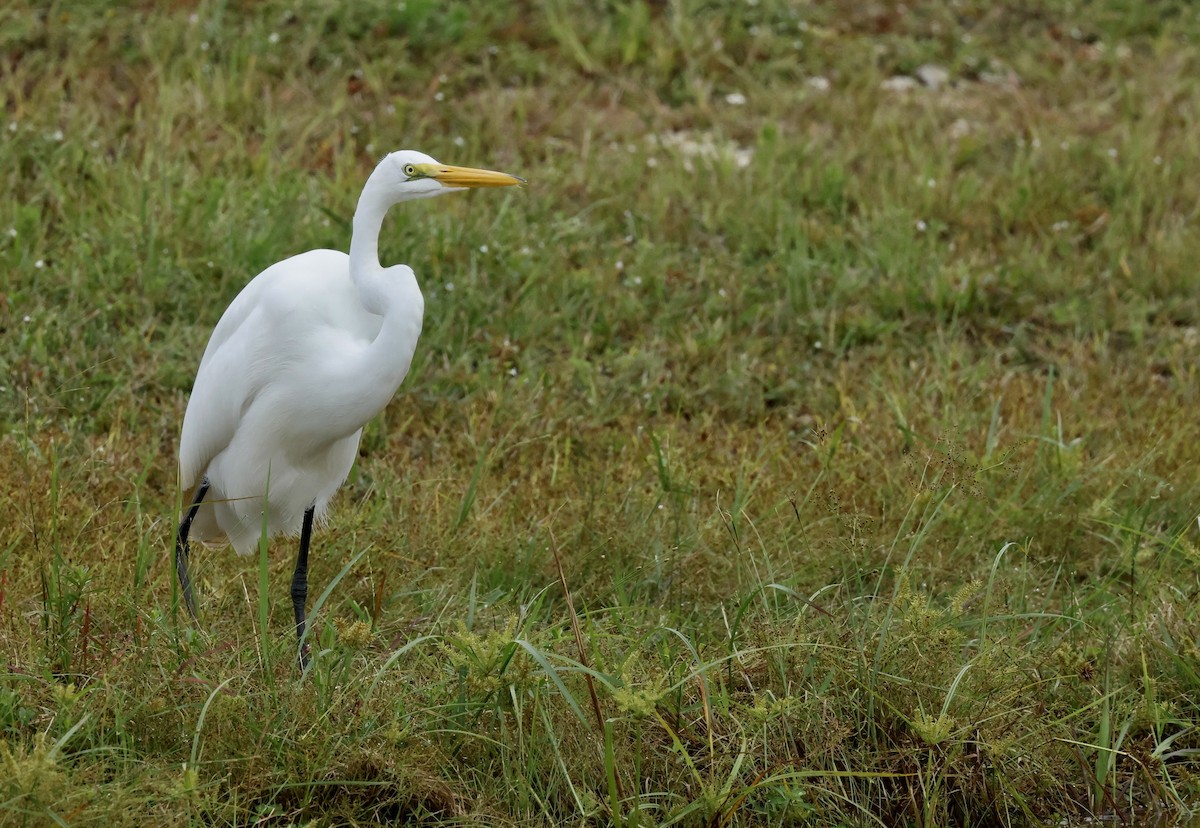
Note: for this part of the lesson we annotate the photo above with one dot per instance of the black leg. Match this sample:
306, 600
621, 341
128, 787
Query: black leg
181, 548
300, 585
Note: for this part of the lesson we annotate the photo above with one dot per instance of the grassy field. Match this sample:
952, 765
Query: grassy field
857, 397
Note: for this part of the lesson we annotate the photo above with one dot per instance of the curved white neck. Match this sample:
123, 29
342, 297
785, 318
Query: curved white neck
365, 270
368, 377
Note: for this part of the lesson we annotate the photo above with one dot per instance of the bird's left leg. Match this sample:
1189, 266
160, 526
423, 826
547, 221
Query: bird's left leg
181, 548
300, 585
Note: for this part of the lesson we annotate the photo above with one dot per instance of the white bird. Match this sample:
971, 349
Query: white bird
310, 350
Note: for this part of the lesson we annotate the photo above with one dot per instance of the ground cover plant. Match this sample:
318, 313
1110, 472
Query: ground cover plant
840, 358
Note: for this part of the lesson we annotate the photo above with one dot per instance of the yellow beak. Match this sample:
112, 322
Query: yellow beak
468, 177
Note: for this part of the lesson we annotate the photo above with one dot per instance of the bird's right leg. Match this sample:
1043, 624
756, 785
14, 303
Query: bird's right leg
181, 548
300, 585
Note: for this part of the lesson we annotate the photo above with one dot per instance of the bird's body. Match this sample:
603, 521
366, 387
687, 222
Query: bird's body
310, 350
285, 386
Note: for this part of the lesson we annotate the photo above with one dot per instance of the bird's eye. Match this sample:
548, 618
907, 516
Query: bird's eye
410, 170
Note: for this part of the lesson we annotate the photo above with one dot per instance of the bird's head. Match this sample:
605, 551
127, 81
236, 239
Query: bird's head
414, 174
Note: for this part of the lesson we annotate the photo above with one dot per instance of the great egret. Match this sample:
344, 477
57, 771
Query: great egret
310, 350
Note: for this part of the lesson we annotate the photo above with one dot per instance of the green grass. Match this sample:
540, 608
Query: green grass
863, 420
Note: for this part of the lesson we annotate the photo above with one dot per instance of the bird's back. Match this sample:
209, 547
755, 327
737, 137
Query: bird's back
265, 331
221, 387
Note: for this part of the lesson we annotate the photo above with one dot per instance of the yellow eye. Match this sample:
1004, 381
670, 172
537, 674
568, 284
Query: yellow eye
410, 170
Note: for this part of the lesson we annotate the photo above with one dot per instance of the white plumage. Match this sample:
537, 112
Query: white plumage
292, 373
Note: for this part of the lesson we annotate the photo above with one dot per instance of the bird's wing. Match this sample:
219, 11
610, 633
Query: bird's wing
227, 380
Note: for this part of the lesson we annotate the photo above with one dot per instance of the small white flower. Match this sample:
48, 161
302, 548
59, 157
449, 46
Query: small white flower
204, 46
12, 126
483, 248
817, 345
735, 99
1063, 144
449, 287
512, 372
922, 226
721, 292
370, 148
1112, 152
525, 251
193, 18
493, 49
28, 318
1158, 160
57, 135
39, 264
443, 78
931, 183
652, 162
818, 83
12, 232
1060, 226
459, 141
390, 109
439, 96
620, 265
637, 280
273, 37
